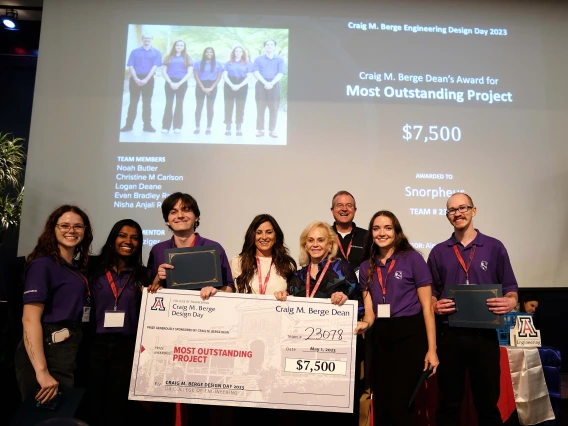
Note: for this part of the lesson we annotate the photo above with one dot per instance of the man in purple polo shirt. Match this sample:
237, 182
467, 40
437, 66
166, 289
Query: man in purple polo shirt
142, 64
469, 257
181, 214
269, 70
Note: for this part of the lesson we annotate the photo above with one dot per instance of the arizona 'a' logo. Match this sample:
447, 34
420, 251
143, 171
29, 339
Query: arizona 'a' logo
526, 328
158, 304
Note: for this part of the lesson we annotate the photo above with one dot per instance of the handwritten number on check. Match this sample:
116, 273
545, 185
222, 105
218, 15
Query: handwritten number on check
318, 334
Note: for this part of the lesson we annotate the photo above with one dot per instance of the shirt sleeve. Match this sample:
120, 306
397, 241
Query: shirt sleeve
363, 272
152, 267
158, 58
235, 265
130, 62
282, 67
37, 283
256, 65
505, 272
420, 271
226, 270
436, 280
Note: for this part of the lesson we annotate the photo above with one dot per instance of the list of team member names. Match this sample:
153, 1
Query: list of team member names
140, 182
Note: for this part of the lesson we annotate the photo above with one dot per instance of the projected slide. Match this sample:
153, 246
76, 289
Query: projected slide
274, 107
220, 85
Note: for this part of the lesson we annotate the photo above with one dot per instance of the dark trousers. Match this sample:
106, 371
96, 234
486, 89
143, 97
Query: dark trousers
476, 350
109, 381
60, 358
135, 91
233, 98
399, 348
267, 99
200, 100
178, 95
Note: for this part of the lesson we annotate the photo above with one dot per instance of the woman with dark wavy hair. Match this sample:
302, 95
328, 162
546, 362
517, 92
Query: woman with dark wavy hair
264, 265
116, 280
56, 301
396, 286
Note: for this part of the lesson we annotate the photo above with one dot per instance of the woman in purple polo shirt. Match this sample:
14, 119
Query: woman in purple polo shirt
56, 301
116, 278
396, 286
207, 73
236, 75
177, 68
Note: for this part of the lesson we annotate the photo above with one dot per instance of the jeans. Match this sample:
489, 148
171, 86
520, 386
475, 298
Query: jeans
200, 100
135, 91
267, 99
178, 94
60, 358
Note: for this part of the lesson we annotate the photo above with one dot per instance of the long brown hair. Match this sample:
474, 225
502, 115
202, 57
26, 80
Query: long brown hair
371, 250
187, 59
47, 242
285, 265
243, 60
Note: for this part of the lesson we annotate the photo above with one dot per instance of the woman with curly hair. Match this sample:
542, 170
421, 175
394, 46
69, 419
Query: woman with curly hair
396, 286
264, 265
56, 301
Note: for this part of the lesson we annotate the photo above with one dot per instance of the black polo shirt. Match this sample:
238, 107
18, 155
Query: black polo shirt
357, 236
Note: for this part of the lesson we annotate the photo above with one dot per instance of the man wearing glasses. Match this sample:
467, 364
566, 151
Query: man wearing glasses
349, 237
350, 240
469, 257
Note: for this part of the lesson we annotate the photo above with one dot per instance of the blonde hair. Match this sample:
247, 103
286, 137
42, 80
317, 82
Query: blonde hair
304, 258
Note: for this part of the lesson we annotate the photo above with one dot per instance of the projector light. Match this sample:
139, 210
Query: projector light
10, 19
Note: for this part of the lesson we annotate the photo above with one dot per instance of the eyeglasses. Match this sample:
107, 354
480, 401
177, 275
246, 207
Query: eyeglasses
461, 209
65, 227
347, 206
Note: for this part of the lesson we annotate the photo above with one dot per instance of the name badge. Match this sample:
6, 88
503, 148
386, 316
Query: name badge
114, 319
86, 313
384, 311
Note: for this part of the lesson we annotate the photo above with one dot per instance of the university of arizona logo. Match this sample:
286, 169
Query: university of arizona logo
484, 265
158, 304
398, 275
526, 327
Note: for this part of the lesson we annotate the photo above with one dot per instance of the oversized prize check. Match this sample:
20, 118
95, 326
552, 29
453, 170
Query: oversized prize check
245, 350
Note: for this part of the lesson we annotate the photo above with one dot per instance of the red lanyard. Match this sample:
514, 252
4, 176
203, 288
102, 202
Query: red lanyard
262, 288
380, 276
85, 280
309, 278
113, 287
462, 263
345, 256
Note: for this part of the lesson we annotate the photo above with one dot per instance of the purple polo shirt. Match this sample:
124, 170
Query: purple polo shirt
157, 257
209, 73
143, 60
408, 274
128, 302
490, 265
176, 67
59, 287
238, 69
269, 67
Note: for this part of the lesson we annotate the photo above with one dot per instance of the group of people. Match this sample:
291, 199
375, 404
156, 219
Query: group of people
402, 301
178, 67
